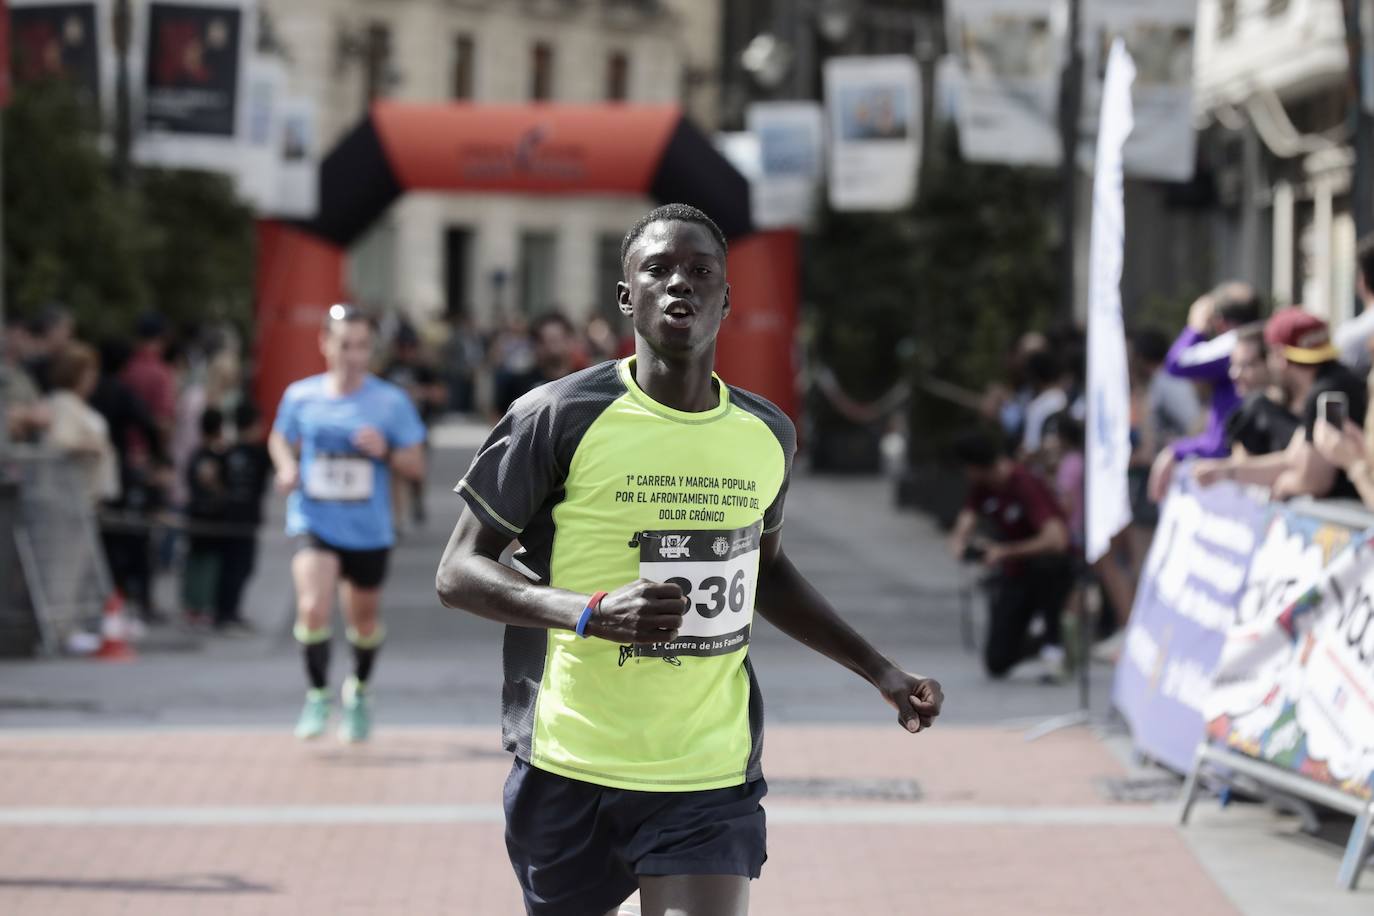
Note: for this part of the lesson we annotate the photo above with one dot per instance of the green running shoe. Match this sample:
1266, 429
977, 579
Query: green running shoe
314, 715
356, 724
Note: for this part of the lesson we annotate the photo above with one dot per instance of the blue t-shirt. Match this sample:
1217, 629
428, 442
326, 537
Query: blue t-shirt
344, 497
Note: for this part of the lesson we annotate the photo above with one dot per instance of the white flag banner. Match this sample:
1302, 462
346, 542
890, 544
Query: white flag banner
873, 105
1010, 55
1159, 35
790, 144
1108, 508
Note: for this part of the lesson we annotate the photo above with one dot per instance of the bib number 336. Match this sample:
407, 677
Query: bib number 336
718, 572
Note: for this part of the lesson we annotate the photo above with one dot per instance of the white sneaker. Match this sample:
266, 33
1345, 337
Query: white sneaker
1054, 661
1108, 651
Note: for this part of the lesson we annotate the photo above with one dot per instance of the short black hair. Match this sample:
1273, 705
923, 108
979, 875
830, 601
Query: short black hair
150, 326
976, 448
1151, 345
1237, 302
682, 213
1042, 367
1364, 257
211, 422
245, 415
543, 321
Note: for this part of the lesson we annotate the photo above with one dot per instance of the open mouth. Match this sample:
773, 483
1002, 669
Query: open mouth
679, 314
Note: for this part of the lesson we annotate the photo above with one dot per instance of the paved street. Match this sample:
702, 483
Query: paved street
172, 784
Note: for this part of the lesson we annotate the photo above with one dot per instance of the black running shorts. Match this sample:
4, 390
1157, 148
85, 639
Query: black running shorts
579, 849
363, 568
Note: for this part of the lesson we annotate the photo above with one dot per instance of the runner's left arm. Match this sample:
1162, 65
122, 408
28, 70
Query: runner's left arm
789, 602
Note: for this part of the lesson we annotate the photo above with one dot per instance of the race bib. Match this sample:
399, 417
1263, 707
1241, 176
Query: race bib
718, 572
340, 478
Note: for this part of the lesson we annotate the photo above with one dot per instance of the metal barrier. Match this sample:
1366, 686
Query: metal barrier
58, 544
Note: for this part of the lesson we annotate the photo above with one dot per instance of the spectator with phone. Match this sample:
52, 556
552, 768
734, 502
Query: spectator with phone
1305, 362
1342, 442
1029, 555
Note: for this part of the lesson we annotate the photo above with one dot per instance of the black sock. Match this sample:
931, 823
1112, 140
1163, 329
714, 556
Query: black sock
365, 649
363, 659
317, 663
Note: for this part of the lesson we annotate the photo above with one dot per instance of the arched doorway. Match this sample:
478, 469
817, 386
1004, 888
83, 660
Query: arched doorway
536, 149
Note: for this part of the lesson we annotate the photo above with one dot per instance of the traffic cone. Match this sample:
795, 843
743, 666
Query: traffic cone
114, 631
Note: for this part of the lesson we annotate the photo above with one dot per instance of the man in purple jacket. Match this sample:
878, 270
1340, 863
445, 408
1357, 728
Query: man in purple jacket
1202, 353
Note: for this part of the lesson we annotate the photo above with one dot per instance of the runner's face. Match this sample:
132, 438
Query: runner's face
675, 288
347, 347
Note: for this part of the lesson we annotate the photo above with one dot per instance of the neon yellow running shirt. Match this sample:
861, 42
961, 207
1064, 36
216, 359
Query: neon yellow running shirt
601, 484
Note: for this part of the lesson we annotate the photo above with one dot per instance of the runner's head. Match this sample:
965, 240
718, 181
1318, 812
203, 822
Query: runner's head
674, 288
346, 341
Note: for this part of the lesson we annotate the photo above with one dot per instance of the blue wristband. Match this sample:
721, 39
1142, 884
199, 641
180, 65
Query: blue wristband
587, 613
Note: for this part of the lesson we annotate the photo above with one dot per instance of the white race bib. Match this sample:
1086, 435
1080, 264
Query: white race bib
340, 478
718, 572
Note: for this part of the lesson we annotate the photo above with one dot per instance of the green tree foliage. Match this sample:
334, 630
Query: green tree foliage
938, 291
177, 242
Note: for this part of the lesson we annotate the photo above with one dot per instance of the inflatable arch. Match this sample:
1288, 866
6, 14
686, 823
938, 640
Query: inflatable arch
534, 149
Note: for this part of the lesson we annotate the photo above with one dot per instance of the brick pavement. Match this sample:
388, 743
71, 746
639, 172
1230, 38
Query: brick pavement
195, 823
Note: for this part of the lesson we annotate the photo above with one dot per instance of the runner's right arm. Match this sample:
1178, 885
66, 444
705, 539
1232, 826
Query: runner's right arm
284, 459
471, 577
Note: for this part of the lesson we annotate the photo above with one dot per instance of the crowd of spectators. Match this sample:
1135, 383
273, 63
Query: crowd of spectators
1265, 397
166, 445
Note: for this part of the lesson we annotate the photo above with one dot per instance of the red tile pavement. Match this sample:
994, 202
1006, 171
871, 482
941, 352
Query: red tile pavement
462, 869
410, 868
983, 766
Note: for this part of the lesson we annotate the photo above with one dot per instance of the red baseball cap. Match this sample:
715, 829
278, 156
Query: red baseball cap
1303, 337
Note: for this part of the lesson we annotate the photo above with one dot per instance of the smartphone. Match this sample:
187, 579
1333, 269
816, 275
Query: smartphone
1333, 407
974, 553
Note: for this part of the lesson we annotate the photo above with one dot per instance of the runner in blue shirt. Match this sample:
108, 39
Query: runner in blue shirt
337, 439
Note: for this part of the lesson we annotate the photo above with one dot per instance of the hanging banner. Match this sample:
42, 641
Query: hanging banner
195, 80
1108, 502
1295, 686
57, 41
873, 105
1010, 54
262, 134
1159, 36
790, 144
298, 161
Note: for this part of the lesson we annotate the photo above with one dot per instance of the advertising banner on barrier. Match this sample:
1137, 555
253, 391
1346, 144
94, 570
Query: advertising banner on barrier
57, 40
1295, 686
1194, 577
874, 108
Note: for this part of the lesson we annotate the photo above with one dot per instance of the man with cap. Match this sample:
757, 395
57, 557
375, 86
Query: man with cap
1306, 364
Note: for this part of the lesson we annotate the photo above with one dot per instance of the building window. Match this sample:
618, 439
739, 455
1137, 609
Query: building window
537, 272
608, 273
377, 60
541, 72
1226, 18
464, 61
617, 77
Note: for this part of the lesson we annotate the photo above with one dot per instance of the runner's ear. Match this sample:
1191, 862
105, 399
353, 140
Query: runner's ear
622, 298
725, 307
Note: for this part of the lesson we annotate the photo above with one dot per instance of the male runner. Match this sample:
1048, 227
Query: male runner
337, 438
634, 716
